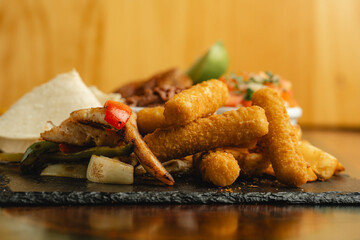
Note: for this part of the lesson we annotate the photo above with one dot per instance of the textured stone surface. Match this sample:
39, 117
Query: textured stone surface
29, 190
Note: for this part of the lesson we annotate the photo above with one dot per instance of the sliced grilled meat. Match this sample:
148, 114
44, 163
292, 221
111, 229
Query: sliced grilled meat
79, 134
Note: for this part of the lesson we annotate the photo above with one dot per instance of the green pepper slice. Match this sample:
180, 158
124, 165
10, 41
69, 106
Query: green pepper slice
11, 157
87, 153
31, 161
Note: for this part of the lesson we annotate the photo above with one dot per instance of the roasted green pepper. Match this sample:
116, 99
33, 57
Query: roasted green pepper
31, 159
86, 154
11, 157
39, 154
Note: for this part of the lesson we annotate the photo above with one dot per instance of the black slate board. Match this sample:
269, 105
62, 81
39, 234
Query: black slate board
16, 189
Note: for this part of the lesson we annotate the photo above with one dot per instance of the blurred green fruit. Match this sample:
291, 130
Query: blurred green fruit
212, 64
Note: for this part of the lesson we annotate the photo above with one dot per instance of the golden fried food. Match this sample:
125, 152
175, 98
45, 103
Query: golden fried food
310, 175
270, 171
322, 163
297, 131
251, 164
218, 167
254, 164
339, 168
198, 101
149, 119
145, 156
280, 145
232, 128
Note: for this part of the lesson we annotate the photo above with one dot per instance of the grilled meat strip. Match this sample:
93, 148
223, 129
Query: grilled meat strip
95, 116
79, 134
91, 116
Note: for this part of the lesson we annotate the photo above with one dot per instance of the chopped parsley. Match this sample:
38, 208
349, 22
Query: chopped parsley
239, 79
246, 84
269, 74
248, 95
272, 78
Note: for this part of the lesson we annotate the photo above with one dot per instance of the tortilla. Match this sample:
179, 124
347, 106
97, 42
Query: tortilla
53, 101
103, 97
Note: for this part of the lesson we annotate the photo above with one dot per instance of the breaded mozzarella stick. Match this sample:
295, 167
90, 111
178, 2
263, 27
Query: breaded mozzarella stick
280, 145
233, 128
149, 119
198, 101
251, 164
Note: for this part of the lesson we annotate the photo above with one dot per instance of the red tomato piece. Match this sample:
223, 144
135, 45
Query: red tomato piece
117, 114
246, 103
234, 100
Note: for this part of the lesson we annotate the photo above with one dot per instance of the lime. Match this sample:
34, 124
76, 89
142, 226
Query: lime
211, 65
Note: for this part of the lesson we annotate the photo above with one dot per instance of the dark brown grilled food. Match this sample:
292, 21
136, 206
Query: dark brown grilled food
76, 133
156, 90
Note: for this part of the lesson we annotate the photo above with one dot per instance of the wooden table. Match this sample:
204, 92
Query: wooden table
198, 221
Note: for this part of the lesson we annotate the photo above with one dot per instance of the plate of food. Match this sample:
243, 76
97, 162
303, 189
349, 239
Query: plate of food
241, 87
165, 140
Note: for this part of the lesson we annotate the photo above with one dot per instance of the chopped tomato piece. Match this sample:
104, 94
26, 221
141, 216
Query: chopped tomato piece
287, 96
117, 114
234, 100
246, 103
242, 86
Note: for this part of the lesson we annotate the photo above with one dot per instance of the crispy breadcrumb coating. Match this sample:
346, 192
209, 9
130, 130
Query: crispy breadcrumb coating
251, 164
198, 101
232, 128
280, 145
149, 119
218, 167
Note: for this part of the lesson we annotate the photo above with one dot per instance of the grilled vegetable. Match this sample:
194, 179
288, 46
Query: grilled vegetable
73, 170
39, 154
87, 153
107, 170
144, 154
31, 160
172, 166
11, 157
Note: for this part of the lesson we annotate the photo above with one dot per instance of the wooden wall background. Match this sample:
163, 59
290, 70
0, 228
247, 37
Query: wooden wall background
313, 43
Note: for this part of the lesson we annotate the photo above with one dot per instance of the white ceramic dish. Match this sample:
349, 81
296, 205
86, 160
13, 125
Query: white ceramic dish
294, 113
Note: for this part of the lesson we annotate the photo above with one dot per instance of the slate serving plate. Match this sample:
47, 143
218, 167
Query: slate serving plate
16, 189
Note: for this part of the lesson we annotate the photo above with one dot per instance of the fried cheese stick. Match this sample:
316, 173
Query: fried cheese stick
198, 101
251, 164
311, 176
280, 145
233, 128
218, 167
149, 119
254, 164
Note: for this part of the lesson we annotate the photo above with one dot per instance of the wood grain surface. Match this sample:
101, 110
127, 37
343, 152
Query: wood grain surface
315, 44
